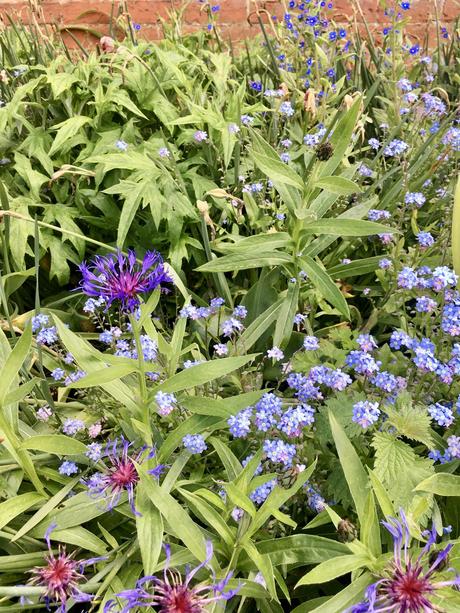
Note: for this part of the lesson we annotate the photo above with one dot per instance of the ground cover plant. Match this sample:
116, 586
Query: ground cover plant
230, 319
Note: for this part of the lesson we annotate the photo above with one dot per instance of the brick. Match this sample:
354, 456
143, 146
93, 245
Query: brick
236, 18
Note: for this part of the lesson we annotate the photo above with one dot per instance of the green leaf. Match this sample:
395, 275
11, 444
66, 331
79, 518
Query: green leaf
285, 318
149, 524
105, 375
355, 474
178, 519
301, 548
54, 443
244, 261
208, 514
347, 227
203, 373
14, 362
324, 284
341, 138
239, 499
227, 457
259, 242
335, 567
338, 185
441, 484
15, 506
354, 268
257, 327
264, 565
277, 497
381, 494
268, 160
47, 508
66, 129
399, 468
344, 599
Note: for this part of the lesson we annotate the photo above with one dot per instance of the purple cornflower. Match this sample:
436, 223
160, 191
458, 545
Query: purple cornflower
47, 336
407, 583
425, 239
416, 198
58, 374
240, 312
221, 349
166, 402
295, 419
38, 321
365, 413
310, 343
441, 414
275, 353
366, 342
200, 136
163, 152
194, 443
72, 426
240, 424
268, 409
94, 452
261, 493
61, 576
68, 468
172, 593
120, 474
44, 413
385, 264
394, 148
121, 278
286, 109
407, 278
280, 452
378, 214
229, 326
425, 304
374, 143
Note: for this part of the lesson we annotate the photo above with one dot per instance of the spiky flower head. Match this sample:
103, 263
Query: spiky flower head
61, 576
121, 278
119, 473
408, 584
172, 593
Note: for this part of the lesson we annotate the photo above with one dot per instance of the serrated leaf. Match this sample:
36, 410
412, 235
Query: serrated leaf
399, 468
410, 421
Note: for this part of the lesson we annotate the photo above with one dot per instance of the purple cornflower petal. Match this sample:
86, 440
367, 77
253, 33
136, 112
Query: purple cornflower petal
120, 474
121, 278
173, 593
406, 584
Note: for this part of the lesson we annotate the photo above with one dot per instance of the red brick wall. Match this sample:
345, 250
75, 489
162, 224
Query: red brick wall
236, 17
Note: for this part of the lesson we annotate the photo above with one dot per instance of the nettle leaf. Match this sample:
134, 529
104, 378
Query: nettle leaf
411, 421
399, 468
